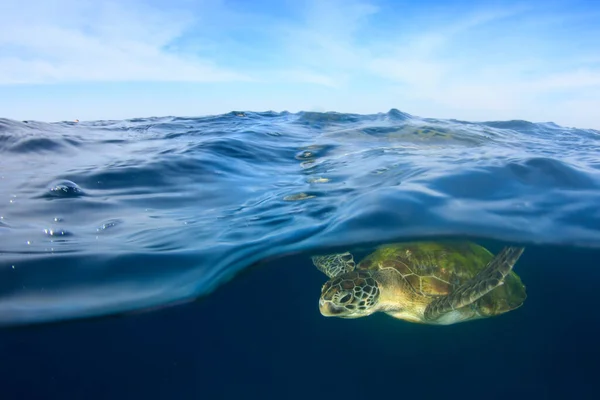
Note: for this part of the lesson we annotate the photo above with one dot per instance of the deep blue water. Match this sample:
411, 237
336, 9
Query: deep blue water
110, 217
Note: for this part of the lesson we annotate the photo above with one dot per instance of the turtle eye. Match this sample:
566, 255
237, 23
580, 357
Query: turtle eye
345, 298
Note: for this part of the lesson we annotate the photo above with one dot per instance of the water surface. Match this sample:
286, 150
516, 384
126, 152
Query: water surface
105, 217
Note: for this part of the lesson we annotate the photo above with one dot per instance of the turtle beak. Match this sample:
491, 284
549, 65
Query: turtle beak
329, 310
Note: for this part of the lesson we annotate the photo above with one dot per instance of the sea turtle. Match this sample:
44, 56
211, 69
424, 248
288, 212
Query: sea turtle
439, 283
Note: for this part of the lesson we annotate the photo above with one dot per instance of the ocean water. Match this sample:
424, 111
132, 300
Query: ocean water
170, 257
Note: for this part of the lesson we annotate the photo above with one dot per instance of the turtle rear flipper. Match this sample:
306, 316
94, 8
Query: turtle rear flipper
333, 265
487, 280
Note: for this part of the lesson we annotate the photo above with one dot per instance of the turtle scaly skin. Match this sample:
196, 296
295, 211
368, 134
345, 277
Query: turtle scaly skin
425, 282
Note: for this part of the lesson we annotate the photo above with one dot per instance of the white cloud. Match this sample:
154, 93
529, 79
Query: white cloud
324, 40
445, 61
74, 41
439, 72
306, 76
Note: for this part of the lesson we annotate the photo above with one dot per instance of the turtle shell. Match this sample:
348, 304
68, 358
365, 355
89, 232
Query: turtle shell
437, 268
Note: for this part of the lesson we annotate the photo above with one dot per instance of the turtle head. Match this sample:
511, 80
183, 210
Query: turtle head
350, 295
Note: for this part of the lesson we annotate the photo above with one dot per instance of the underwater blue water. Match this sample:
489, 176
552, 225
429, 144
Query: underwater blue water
106, 217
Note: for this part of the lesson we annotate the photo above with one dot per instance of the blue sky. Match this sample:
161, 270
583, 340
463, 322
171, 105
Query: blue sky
99, 59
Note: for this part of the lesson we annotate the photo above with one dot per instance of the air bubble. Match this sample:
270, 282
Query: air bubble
65, 189
109, 225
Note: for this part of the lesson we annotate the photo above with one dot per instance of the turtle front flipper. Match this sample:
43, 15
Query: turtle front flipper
333, 265
487, 280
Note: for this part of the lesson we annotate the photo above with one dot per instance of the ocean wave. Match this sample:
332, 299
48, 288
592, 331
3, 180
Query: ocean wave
106, 216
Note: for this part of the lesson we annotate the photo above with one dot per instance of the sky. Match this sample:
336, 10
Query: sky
471, 60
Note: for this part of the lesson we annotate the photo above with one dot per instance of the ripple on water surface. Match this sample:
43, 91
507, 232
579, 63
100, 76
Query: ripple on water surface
105, 216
